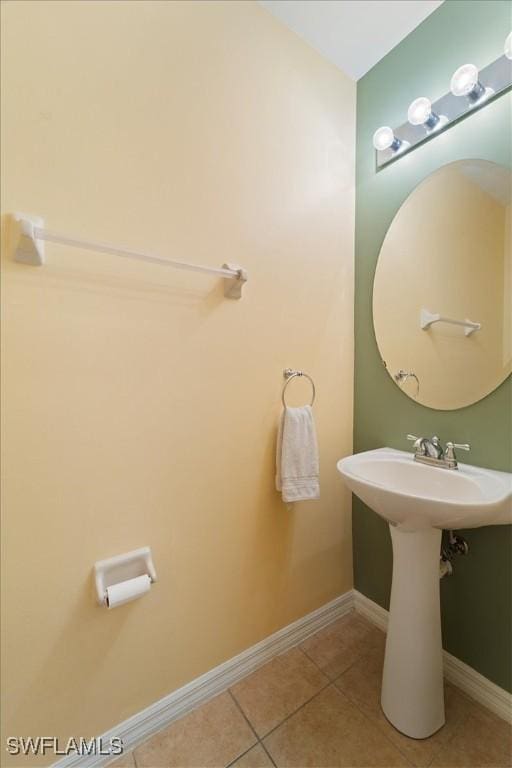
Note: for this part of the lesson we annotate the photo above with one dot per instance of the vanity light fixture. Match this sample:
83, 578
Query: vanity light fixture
384, 138
471, 89
508, 46
465, 82
420, 113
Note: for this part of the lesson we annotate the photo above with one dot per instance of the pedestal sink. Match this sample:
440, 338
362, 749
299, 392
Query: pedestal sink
418, 501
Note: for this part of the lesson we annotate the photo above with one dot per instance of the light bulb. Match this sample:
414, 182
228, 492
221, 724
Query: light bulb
420, 113
384, 138
508, 46
465, 82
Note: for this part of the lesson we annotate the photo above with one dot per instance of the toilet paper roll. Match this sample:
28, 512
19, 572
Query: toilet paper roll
128, 590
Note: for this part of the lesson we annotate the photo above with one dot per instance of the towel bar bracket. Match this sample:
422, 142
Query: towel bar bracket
28, 248
233, 285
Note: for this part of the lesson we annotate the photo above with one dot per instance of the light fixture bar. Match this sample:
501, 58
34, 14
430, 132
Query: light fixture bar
495, 80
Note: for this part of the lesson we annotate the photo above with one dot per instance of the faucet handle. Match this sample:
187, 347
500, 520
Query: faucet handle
419, 444
450, 452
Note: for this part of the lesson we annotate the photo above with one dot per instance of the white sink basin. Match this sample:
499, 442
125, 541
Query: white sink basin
414, 496
418, 501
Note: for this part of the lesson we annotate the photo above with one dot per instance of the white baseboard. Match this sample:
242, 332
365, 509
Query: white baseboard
140, 726
478, 687
370, 610
464, 677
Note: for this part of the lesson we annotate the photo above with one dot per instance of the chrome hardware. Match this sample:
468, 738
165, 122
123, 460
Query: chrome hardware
290, 374
430, 448
457, 545
430, 451
494, 80
402, 377
450, 456
434, 448
445, 566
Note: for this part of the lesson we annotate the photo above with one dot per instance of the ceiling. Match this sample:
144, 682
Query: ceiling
353, 34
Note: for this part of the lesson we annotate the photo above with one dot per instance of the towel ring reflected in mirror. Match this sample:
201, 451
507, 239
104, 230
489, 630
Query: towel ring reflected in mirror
290, 374
402, 377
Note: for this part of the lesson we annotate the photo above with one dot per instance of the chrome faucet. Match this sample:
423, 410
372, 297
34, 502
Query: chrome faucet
430, 451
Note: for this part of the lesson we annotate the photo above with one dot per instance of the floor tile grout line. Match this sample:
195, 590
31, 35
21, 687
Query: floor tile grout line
364, 653
306, 654
333, 682
268, 755
239, 707
327, 684
242, 754
330, 682
436, 753
376, 724
259, 740
268, 733
311, 660
370, 718
337, 677
462, 720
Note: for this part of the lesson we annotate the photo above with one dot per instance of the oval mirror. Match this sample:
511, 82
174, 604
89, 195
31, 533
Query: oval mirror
442, 292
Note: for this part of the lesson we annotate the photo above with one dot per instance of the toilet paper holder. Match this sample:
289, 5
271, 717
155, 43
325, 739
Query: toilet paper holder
113, 570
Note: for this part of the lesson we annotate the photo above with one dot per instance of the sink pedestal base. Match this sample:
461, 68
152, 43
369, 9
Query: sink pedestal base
412, 685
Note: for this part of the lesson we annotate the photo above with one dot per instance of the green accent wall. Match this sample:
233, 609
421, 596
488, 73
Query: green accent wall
477, 600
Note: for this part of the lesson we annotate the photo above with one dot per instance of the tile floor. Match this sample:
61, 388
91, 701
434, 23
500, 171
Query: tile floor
318, 705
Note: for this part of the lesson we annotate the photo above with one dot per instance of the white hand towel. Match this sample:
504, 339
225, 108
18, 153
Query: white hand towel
297, 455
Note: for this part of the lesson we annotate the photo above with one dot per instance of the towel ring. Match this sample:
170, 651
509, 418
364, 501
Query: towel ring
290, 374
402, 376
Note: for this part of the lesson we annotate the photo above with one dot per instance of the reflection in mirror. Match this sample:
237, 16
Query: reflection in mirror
442, 292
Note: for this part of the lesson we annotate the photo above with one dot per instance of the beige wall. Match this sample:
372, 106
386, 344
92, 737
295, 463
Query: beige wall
448, 247
140, 406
